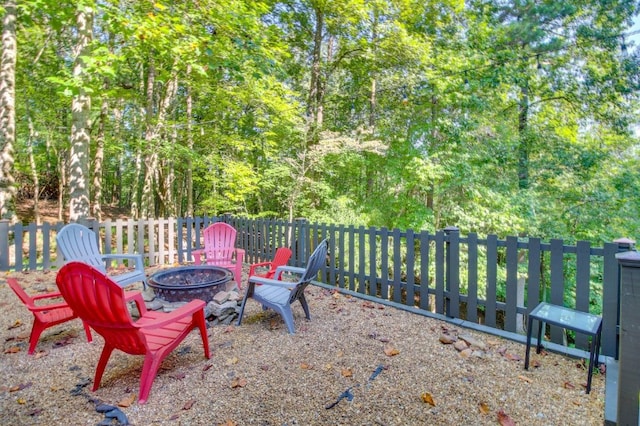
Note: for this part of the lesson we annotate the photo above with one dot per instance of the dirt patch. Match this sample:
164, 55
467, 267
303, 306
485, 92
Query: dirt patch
49, 211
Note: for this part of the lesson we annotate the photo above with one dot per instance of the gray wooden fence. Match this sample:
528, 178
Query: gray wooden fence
488, 281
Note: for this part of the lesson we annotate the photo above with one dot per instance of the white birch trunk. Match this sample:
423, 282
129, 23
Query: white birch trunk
8, 112
79, 207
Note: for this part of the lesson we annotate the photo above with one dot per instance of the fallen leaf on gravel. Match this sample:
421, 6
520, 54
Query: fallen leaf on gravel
535, 363
228, 423
328, 367
504, 419
568, 385
512, 357
368, 304
127, 401
21, 401
187, 405
346, 372
20, 387
16, 324
578, 403
427, 398
238, 382
12, 350
231, 361
484, 408
40, 354
389, 350
306, 366
525, 378
229, 329
23, 336
206, 367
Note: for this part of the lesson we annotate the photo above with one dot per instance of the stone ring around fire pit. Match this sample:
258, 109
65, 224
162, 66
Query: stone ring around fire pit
186, 283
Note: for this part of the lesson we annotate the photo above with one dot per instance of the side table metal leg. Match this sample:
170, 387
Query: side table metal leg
539, 342
529, 329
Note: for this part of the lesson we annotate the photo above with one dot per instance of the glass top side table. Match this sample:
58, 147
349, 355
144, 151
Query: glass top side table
570, 319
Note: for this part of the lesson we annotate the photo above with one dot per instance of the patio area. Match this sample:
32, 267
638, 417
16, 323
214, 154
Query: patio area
355, 362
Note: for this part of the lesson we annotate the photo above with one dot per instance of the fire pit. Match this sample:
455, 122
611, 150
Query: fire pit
185, 283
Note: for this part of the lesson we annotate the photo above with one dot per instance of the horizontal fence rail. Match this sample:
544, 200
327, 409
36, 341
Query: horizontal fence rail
489, 281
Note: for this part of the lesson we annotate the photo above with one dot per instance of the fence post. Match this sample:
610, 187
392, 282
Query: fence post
629, 347
624, 245
452, 272
301, 241
4, 245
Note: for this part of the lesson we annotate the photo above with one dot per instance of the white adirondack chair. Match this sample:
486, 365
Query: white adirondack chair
79, 243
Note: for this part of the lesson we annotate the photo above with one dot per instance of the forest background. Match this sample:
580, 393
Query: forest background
499, 117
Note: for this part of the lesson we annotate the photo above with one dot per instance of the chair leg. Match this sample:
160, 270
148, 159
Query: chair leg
149, 371
305, 306
36, 330
287, 316
198, 319
102, 363
238, 276
244, 302
87, 331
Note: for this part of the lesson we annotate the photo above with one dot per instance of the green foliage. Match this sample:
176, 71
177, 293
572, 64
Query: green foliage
422, 109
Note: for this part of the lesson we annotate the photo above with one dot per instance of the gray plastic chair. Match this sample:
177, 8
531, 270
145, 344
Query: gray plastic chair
79, 243
280, 295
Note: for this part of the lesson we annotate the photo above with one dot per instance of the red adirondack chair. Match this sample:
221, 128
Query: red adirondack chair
282, 256
44, 316
101, 303
219, 249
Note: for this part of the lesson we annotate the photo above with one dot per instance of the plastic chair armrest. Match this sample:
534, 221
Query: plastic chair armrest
254, 266
47, 296
49, 307
136, 257
136, 297
197, 255
184, 311
290, 269
269, 281
239, 255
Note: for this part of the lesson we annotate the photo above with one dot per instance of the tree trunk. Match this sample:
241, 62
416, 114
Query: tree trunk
80, 127
34, 173
152, 139
313, 108
8, 112
62, 183
523, 138
116, 187
98, 160
189, 171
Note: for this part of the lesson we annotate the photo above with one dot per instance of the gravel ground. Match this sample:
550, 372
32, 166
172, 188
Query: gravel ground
354, 363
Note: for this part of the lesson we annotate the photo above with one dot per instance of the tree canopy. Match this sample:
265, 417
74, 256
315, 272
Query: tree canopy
504, 117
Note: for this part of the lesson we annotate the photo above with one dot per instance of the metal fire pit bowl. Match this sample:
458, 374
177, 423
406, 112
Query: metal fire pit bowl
186, 283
